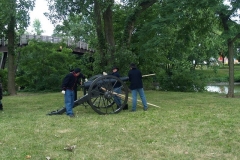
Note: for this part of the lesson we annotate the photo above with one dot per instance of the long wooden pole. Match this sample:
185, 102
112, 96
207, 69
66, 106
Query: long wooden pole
147, 103
123, 96
148, 75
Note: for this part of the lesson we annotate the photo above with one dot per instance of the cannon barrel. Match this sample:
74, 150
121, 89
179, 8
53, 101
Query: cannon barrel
87, 84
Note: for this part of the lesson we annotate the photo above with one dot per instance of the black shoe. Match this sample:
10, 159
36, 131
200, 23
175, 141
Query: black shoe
145, 109
125, 107
133, 110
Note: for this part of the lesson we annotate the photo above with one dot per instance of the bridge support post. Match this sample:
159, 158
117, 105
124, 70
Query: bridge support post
3, 60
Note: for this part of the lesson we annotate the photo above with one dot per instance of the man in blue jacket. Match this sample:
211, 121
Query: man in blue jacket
68, 85
136, 86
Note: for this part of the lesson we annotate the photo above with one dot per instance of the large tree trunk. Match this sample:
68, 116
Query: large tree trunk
224, 19
231, 69
231, 65
104, 30
99, 29
108, 29
11, 56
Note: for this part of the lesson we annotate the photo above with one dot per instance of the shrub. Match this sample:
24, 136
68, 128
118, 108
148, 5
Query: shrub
183, 81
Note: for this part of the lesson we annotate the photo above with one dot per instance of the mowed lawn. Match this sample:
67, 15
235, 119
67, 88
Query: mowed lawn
187, 126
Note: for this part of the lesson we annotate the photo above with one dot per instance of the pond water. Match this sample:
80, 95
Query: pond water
222, 88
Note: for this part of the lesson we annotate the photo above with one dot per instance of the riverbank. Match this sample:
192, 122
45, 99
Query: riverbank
220, 74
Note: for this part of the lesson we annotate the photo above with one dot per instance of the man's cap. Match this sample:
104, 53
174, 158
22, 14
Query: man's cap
132, 65
114, 67
77, 70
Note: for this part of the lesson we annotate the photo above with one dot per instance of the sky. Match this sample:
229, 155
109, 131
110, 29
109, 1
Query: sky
37, 13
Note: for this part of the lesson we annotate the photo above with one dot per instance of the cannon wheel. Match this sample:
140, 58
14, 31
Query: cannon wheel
101, 95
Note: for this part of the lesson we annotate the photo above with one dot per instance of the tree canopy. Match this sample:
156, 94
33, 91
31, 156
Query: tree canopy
167, 37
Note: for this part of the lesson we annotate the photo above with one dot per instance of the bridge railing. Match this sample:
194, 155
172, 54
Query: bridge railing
3, 42
24, 39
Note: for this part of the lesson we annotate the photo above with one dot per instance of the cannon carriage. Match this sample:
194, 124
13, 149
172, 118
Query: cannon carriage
99, 94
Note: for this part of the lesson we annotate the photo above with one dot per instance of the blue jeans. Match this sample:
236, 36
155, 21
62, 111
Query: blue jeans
142, 96
69, 101
117, 99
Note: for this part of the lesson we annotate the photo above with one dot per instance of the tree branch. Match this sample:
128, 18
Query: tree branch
235, 38
131, 19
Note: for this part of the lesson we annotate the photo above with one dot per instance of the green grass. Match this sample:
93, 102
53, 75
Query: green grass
187, 126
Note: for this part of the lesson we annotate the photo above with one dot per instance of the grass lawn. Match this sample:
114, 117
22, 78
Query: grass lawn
187, 126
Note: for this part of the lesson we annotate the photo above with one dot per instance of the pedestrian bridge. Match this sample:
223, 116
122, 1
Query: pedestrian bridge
78, 47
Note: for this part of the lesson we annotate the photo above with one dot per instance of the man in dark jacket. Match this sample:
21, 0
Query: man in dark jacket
80, 79
136, 86
68, 85
117, 87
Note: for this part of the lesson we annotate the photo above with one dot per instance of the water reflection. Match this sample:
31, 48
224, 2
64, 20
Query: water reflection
222, 88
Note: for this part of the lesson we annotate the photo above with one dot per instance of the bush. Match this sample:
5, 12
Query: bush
42, 66
183, 81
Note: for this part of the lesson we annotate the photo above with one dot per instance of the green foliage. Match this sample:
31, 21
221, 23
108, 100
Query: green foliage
181, 78
185, 81
174, 35
86, 64
78, 26
122, 59
37, 27
42, 66
17, 9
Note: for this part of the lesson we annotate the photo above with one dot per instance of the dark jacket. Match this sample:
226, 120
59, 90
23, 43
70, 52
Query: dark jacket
81, 76
118, 84
70, 81
135, 78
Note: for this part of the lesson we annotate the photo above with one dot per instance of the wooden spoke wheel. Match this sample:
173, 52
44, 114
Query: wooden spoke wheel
107, 95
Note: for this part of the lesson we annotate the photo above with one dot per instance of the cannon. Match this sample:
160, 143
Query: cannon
99, 94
